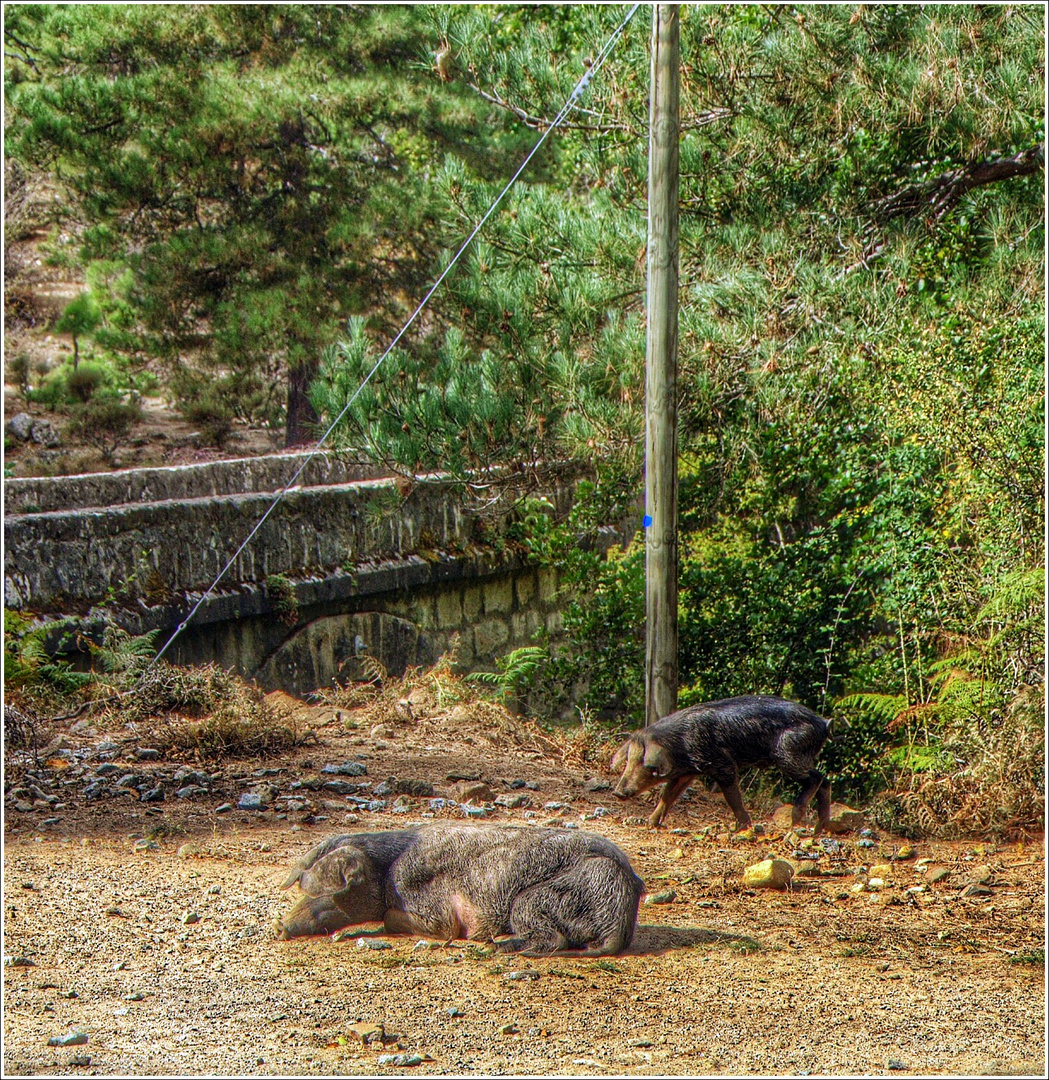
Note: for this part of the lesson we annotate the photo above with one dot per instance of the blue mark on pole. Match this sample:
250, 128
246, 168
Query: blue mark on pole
646, 520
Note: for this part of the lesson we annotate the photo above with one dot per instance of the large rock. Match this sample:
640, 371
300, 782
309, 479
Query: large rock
43, 433
473, 791
768, 874
844, 819
20, 426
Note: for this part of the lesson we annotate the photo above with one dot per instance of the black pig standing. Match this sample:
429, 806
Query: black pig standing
715, 740
553, 889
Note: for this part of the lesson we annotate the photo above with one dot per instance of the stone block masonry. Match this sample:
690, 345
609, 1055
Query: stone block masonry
343, 570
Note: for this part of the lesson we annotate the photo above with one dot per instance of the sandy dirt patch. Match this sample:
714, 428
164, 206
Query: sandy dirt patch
148, 928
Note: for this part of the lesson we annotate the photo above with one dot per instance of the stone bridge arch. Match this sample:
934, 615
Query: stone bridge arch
348, 565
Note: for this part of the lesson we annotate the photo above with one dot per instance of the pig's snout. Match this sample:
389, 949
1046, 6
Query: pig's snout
624, 789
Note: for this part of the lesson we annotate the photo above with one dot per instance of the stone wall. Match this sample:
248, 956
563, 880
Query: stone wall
43, 494
339, 571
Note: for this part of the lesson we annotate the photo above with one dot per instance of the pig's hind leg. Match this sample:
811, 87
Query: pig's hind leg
591, 907
815, 783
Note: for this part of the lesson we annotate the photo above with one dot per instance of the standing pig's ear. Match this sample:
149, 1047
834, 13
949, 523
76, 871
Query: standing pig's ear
619, 760
657, 760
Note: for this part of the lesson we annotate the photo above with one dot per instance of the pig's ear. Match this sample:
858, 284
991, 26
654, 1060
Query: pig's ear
657, 760
338, 871
620, 757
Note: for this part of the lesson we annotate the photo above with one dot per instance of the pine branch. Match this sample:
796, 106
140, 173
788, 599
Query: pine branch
540, 122
940, 194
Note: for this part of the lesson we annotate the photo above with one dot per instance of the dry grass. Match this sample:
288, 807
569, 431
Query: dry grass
586, 745
998, 789
208, 713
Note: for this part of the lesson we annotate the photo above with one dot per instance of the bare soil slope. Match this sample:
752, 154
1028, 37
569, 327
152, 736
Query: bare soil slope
147, 927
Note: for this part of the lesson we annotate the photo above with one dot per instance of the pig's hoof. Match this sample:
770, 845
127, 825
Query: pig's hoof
280, 929
510, 945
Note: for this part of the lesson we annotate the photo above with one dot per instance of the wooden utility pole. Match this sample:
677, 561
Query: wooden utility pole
661, 553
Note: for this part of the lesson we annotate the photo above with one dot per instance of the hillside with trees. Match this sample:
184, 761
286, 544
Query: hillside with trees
257, 196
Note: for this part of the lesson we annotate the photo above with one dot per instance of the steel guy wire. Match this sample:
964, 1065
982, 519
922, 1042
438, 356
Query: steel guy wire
573, 98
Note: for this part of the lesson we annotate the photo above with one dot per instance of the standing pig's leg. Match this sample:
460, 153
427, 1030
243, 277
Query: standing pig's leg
672, 790
728, 781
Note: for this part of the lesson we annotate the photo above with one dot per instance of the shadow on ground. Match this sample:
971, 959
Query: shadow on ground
661, 939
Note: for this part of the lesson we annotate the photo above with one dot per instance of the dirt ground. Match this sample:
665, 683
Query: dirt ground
147, 928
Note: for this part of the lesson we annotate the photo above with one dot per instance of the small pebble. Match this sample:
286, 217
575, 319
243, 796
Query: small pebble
371, 943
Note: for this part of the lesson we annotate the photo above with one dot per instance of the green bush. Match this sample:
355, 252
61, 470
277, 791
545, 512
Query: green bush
212, 416
83, 381
65, 387
104, 424
28, 665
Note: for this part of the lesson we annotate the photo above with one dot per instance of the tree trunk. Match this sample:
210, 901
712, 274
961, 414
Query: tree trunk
302, 417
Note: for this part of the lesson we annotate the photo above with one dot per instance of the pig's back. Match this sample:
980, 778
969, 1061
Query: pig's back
485, 867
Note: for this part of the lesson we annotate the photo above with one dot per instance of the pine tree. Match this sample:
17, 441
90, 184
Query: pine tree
261, 169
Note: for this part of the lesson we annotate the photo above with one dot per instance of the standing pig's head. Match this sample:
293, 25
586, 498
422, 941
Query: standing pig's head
644, 763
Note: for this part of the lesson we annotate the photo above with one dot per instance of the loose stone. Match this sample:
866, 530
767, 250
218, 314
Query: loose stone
667, 897
347, 768
400, 1060
768, 874
74, 1038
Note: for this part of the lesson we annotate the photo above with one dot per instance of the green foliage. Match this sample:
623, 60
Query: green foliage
79, 319
122, 657
247, 176
18, 371
512, 671
104, 424
212, 415
84, 381
28, 664
281, 592
67, 387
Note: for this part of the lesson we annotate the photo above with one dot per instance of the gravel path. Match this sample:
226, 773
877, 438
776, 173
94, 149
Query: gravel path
150, 933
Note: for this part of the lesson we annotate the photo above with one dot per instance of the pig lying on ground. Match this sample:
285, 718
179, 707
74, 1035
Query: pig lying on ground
552, 889
718, 738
